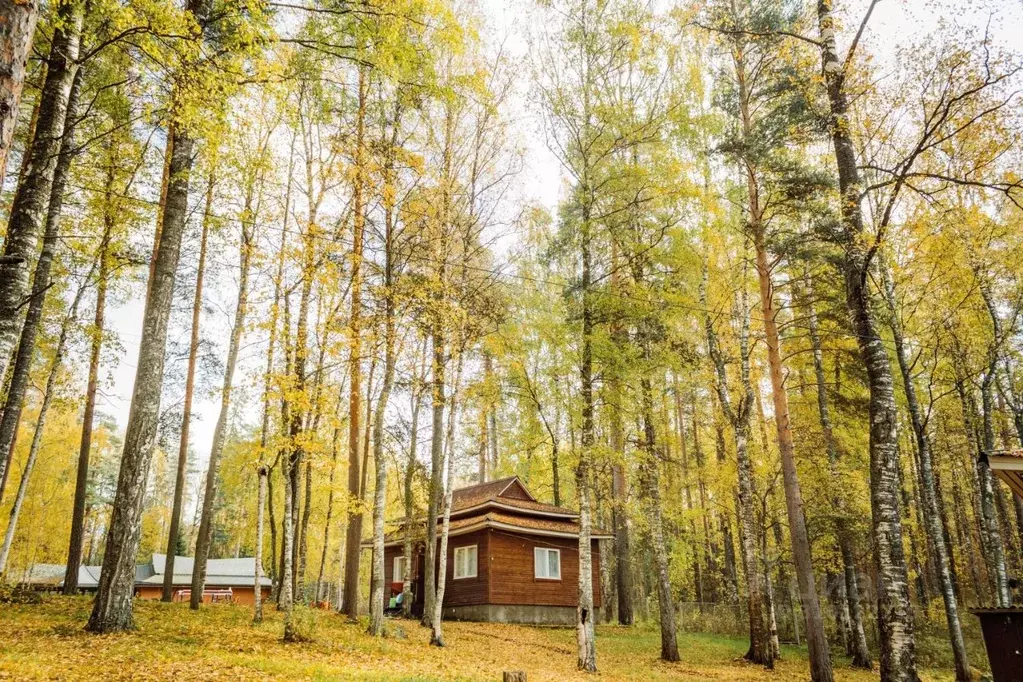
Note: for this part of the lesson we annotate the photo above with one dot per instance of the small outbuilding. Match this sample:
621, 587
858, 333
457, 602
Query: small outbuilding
510, 558
229, 580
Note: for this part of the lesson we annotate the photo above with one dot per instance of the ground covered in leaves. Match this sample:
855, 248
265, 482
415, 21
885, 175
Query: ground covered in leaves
46, 641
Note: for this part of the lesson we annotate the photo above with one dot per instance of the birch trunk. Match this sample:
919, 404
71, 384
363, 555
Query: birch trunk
584, 627
205, 539
439, 348
286, 596
37, 436
989, 515
436, 618
376, 627
650, 471
264, 433
257, 609
17, 29
895, 616
739, 417
931, 512
186, 414
29, 207
112, 609
21, 370
651, 480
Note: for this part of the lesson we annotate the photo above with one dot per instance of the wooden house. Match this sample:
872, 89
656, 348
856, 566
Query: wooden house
1008, 466
1003, 627
510, 558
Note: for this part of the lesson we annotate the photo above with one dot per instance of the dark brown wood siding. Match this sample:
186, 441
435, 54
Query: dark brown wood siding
511, 570
389, 554
468, 591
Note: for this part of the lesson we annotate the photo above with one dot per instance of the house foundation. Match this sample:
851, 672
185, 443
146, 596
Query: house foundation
524, 614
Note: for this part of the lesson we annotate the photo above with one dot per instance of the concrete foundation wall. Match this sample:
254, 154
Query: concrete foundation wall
513, 613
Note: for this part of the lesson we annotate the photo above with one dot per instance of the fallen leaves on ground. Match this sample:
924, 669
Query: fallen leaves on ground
46, 642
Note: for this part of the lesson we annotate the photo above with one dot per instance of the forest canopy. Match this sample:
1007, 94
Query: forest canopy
739, 281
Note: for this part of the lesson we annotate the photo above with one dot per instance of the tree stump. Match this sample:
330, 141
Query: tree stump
514, 676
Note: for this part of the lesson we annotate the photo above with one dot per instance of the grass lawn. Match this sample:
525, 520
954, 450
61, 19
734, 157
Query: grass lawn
46, 641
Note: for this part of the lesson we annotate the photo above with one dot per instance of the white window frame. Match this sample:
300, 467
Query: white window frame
464, 552
537, 563
399, 560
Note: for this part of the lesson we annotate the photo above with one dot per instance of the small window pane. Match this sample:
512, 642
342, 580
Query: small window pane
553, 564
465, 562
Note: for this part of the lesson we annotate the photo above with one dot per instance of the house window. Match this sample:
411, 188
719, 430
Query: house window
465, 562
398, 574
547, 563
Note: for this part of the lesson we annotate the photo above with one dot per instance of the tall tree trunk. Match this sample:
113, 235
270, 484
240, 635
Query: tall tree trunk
297, 423
264, 433
186, 414
436, 618
205, 539
816, 638
895, 616
436, 474
408, 548
285, 593
275, 577
439, 349
37, 436
74, 555
257, 609
354, 533
619, 480
989, 515
858, 650
335, 446
931, 513
17, 29
650, 471
694, 541
988, 494
287, 449
651, 484
730, 571
769, 603
585, 616
29, 207
21, 370
112, 609
739, 417
376, 627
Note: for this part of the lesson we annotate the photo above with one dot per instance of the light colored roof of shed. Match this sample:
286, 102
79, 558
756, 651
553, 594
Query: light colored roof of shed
240, 572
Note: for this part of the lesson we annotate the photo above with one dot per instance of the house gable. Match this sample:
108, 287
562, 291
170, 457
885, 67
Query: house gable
515, 490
